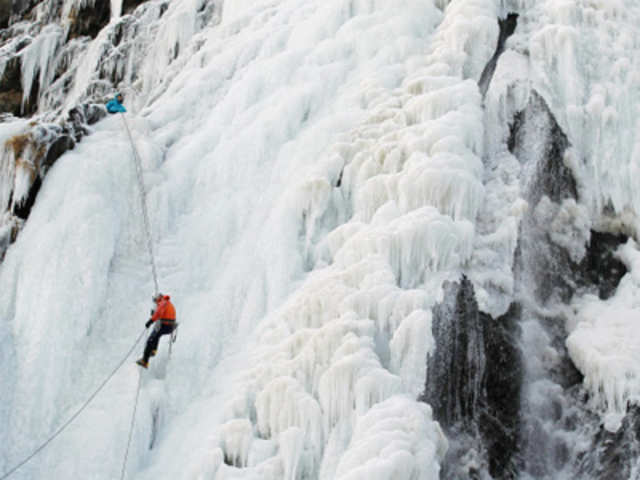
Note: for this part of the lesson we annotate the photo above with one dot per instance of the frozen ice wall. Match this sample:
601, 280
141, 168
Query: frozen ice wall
297, 166
316, 172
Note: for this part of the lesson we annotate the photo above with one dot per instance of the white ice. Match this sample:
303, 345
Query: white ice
287, 340
314, 173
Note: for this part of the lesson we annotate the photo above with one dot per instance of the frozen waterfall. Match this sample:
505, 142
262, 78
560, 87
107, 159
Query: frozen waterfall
401, 238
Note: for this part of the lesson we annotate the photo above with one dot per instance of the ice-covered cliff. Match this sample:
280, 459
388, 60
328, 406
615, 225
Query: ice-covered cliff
400, 237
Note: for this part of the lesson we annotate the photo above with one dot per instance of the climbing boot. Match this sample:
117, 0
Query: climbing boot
142, 363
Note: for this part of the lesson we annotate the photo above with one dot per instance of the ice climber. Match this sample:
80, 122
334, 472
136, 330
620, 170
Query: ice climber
164, 316
115, 105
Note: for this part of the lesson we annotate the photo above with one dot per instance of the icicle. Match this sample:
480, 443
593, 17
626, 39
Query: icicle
116, 9
410, 345
37, 59
236, 441
283, 404
290, 450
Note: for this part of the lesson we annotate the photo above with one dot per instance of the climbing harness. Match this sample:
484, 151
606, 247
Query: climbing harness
76, 414
143, 202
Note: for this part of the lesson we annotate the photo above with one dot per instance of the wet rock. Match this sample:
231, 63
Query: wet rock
499, 421
57, 148
536, 139
614, 455
455, 370
600, 269
473, 384
539, 144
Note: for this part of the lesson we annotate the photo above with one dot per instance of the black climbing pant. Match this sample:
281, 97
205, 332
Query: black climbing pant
154, 338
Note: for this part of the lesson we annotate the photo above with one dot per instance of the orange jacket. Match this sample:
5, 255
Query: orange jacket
165, 310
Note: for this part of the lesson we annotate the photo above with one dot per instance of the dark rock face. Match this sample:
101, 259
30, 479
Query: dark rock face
455, 377
539, 144
507, 27
599, 268
613, 455
129, 5
89, 20
5, 13
473, 384
537, 139
57, 148
500, 419
455, 371
19, 8
11, 87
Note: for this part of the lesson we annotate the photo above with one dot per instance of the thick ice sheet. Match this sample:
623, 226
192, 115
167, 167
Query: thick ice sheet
314, 175
304, 305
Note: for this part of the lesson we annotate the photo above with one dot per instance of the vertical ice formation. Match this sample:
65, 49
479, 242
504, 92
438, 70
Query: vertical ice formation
116, 8
403, 191
318, 172
37, 58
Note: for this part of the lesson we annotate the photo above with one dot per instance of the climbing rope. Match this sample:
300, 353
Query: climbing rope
143, 201
147, 227
78, 412
133, 422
